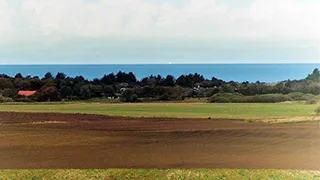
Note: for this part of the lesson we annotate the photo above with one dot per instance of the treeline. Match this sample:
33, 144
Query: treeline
127, 88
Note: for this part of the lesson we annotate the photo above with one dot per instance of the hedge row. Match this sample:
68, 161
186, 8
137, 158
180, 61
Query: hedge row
264, 98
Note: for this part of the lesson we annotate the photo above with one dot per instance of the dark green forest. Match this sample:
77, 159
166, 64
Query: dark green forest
125, 87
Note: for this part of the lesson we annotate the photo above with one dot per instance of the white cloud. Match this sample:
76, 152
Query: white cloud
43, 23
197, 18
287, 18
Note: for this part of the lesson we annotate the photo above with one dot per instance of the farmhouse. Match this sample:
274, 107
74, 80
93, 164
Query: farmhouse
27, 93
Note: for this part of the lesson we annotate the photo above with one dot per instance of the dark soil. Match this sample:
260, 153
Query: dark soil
39, 140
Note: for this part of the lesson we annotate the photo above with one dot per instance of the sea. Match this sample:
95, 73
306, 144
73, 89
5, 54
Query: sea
269, 73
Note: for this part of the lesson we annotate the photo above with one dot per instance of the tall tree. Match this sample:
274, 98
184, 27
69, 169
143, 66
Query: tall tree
61, 76
108, 79
18, 75
48, 75
169, 81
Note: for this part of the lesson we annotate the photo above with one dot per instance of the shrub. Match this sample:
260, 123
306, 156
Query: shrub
312, 101
129, 96
73, 98
226, 98
268, 98
9, 93
170, 93
23, 99
298, 96
5, 99
318, 110
239, 98
308, 97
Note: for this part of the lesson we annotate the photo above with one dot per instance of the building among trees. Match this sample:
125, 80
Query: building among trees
27, 93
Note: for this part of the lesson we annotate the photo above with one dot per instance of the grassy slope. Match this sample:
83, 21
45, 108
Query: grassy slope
175, 110
158, 174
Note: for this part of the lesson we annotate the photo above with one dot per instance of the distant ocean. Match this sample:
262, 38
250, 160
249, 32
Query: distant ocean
237, 72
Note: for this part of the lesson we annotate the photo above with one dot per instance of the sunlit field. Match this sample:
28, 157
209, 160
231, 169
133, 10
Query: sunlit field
175, 174
256, 112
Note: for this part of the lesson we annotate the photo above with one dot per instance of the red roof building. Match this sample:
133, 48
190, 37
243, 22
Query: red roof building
27, 93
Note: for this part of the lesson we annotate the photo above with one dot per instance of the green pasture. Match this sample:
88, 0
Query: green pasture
259, 111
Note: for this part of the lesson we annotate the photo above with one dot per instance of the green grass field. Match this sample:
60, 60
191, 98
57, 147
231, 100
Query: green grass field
159, 174
264, 112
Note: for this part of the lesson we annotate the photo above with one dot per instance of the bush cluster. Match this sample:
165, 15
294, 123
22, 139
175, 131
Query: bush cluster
263, 98
5, 99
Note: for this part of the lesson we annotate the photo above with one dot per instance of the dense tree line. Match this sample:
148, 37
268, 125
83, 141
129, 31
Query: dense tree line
127, 88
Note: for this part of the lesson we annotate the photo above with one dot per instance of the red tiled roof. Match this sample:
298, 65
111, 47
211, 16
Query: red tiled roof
27, 93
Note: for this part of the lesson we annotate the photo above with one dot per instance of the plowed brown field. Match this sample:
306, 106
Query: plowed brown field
35, 140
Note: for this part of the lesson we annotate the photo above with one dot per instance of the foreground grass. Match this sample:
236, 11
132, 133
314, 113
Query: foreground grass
158, 174
261, 111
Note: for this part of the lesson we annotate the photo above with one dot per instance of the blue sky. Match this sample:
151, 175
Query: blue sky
159, 31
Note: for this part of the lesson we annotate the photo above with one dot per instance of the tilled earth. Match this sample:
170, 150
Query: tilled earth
55, 141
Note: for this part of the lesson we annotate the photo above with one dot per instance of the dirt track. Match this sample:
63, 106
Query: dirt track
89, 141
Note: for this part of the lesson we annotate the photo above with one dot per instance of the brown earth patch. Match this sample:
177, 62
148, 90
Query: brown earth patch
90, 141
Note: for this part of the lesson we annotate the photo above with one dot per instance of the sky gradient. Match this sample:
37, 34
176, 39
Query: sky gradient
159, 31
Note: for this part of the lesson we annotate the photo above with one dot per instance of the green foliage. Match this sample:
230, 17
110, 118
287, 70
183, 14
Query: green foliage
60, 76
9, 92
315, 76
48, 75
18, 75
269, 98
169, 93
239, 98
226, 98
5, 83
48, 94
189, 80
129, 96
317, 110
85, 92
312, 101
108, 91
5, 99
23, 99
65, 91
158, 88
126, 77
108, 79
169, 81
298, 96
